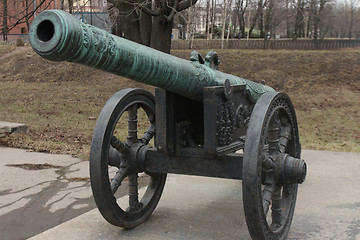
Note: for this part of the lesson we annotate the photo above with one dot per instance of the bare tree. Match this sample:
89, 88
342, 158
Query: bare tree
268, 19
213, 18
190, 23
71, 5
208, 20
351, 6
320, 16
288, 16
258, 17
279, 16
149, 22
241, 8
227, 5
20, 14
299, 25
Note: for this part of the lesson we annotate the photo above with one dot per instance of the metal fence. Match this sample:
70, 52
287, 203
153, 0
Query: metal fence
14, 37
262, 44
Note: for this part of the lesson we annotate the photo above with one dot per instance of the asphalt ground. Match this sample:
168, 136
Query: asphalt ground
39, 191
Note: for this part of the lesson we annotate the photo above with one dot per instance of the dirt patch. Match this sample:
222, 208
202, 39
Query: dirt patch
31, 166
78, 179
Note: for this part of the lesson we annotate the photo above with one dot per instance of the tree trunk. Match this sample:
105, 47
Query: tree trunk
71, 5
27, 15
213, 18
299, 20
351, 20
269, 21
234, 22
188, 25
145, 27
224, 24
258, 16
150, 23
160, 34
229, 23
261, 21
116, 20
242, 26
241, 9
5, 16
208, 20
287, 10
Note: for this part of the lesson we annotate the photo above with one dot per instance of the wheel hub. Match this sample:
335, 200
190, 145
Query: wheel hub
289, 170
136, 157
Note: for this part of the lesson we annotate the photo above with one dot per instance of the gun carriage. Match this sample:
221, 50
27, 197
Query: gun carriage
200, 122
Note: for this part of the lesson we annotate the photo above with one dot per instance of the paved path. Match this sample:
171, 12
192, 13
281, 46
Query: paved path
328, 205
17, 49
7, 128
38, 191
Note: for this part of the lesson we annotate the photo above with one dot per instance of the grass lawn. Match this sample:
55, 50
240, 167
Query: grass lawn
61, 101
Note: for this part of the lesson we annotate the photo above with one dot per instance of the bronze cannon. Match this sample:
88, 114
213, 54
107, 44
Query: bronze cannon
201, 122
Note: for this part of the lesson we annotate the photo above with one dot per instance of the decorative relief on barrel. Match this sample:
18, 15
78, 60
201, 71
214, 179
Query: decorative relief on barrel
225, 121
99, 40
86, 40
112, 46
103, 42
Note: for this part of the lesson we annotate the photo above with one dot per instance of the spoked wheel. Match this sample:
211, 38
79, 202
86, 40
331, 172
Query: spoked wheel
272, 167
117, 158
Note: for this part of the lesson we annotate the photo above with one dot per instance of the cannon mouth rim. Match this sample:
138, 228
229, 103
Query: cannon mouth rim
44, 33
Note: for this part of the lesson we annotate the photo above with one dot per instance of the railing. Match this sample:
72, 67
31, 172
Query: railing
262, 44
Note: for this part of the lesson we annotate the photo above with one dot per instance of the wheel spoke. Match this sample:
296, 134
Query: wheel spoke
132, 125
134, 204
114, 159
267, 162
285, 136
118, 145
119, 177
273, 133
268, 191
276, 212
149, 134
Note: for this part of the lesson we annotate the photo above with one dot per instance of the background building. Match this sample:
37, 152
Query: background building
17, 15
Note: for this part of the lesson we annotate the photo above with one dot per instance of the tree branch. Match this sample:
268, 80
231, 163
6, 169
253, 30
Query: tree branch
173, 11
148, 11
186, 4
113, 2
23, 18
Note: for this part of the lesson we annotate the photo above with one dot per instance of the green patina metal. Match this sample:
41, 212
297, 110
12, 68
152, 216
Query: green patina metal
56, 35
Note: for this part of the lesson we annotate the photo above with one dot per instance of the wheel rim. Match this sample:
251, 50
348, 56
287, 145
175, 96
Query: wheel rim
272, 136
110, 150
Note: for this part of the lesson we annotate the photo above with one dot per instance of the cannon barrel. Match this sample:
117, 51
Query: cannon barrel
56, 35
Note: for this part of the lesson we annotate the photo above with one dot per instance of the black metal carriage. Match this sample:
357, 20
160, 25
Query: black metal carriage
200, 122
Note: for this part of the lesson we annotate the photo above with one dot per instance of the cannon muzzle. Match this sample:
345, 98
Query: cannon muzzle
56, 35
